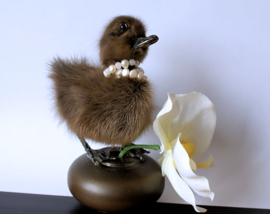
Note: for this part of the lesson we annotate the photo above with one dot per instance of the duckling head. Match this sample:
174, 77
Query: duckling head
124, 38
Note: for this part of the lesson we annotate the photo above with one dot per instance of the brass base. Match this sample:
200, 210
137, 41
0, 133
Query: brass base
118, 186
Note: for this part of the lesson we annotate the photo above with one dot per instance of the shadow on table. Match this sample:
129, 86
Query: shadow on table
143, 209
163, 208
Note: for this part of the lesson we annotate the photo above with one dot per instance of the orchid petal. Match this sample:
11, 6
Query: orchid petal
161, 163
162, 123
162, 136
160, 160
193, 165
206, 164
198, 184
196, 120
177, 182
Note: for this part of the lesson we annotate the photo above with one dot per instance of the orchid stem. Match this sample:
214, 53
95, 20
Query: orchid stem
155, 147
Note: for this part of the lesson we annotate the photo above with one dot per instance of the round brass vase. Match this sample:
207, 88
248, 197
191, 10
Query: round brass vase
117, 185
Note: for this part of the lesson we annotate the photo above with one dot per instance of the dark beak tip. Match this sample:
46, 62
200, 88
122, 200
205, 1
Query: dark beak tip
154, 37
146, 41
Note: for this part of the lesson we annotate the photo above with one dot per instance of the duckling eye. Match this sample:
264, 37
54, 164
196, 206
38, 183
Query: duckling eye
123, 26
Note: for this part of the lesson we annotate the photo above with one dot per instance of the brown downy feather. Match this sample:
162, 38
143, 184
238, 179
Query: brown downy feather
112, 111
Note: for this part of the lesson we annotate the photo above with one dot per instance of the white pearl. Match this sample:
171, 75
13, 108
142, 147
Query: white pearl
137, 63
140, 70
144, 77
125, 72
112, 69
132, 62
124, 63
107, 73
117, 65
119, 72
133, 73
140, 76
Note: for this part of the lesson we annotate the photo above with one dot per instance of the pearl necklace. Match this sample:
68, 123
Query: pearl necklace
120, 69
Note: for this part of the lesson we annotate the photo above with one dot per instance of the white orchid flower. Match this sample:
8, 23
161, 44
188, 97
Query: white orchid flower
185, 127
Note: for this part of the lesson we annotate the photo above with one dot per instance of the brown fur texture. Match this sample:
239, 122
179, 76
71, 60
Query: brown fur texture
112, 111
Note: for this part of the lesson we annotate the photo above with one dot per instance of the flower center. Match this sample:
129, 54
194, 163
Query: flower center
190, 149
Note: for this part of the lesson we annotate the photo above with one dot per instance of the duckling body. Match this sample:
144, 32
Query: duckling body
108, 110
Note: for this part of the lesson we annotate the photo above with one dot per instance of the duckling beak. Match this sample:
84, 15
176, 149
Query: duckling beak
144, 42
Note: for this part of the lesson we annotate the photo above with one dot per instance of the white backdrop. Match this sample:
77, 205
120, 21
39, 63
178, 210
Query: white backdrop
219, 48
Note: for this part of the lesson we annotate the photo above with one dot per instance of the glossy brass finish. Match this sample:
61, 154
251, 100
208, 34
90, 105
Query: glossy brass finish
118, 186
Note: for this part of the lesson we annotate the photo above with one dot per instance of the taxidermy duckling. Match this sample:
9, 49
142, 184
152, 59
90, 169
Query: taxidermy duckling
112, 102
